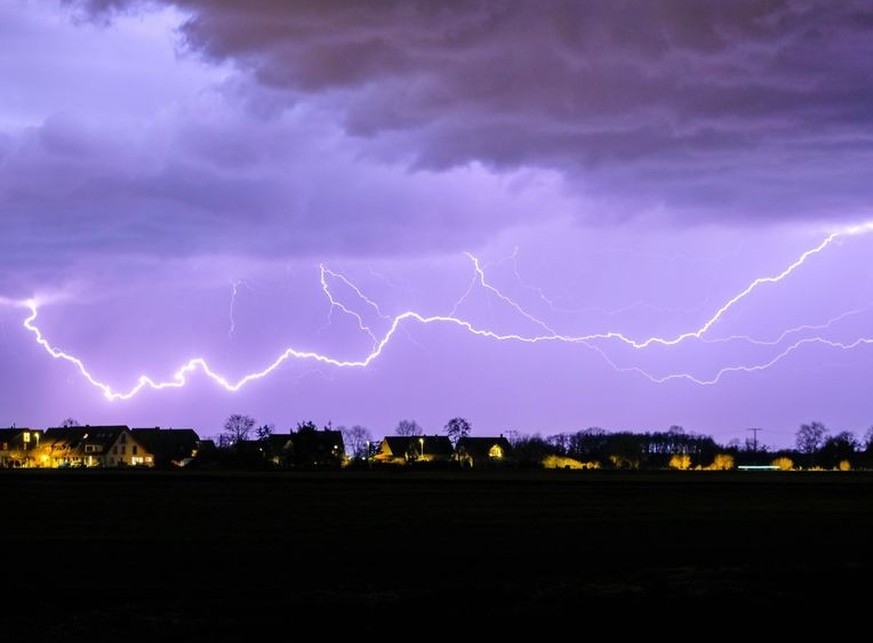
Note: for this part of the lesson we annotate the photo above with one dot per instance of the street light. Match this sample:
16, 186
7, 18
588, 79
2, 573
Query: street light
421, 448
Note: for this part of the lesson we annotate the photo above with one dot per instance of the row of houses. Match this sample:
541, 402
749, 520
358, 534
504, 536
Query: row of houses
97, 446
123, 446
468, 452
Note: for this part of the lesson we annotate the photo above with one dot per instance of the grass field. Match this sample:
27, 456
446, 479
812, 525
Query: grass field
151, 555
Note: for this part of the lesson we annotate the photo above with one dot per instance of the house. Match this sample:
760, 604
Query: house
279, 449
406, 449
19, 447
93, 446
484, 452
311, 447
170, 447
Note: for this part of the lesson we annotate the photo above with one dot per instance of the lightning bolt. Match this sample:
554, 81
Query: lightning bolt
234, 285
182, 374
324, 273
611, 312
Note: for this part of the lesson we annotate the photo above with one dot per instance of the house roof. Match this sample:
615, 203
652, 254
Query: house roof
318, 438
432, 444
156, 438
480, 446
74, 436
8, 435
279, 441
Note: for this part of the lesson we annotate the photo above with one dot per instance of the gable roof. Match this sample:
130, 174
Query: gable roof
278, 442
74, 436
8, 435
167, 443
18, 437
432, 444
481, 446
157, 438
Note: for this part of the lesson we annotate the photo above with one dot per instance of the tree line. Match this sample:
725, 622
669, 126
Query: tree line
815, 445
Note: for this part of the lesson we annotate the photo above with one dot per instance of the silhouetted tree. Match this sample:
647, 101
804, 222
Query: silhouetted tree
809, 439
560, 442
590, 445
531, 450
838, 450
308, 425
357, 440
69, 422
626, 450
457, 428
868, 439
237, 428
408, 427
265, 431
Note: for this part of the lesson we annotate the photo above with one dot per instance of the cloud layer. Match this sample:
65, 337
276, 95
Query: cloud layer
705, 110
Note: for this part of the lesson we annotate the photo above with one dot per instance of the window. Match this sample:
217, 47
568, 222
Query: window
134, 450
26, 436
123, 450
123, 437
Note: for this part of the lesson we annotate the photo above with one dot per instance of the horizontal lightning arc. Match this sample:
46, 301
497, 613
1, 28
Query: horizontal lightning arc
180, 377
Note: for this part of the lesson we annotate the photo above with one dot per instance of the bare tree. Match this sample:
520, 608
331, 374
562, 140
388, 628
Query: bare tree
810, 437
265, 431
70, 422
868, 439
357, 440
408, 427
237, 428
457, 428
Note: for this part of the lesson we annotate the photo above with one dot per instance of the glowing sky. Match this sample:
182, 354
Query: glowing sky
542, 216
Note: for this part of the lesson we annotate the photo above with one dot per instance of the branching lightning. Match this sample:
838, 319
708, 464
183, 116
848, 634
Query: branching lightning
234, 285
594, 341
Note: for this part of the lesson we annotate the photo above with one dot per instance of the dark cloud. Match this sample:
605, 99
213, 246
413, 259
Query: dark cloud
227, 185
614, 94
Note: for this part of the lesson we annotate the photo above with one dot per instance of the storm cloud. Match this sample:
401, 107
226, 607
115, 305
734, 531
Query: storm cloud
697, 111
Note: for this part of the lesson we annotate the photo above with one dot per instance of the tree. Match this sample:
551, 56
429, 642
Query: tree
70, 422
810, 437
237, 428
868, 439
838, 448
457, 428
308, 425
357, 441
408, 427
265, 431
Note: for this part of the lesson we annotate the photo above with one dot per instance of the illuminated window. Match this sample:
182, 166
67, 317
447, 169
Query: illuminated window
26, 437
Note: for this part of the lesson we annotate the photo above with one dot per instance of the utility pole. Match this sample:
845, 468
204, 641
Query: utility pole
754, 438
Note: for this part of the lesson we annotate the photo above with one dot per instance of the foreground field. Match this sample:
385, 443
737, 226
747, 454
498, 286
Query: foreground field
156, 555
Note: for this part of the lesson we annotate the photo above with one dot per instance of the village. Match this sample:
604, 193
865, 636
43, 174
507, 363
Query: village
242, 445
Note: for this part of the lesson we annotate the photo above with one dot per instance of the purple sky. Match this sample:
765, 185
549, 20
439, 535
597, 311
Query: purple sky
542, 216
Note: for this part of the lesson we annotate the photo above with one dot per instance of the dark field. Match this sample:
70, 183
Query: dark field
182, 555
